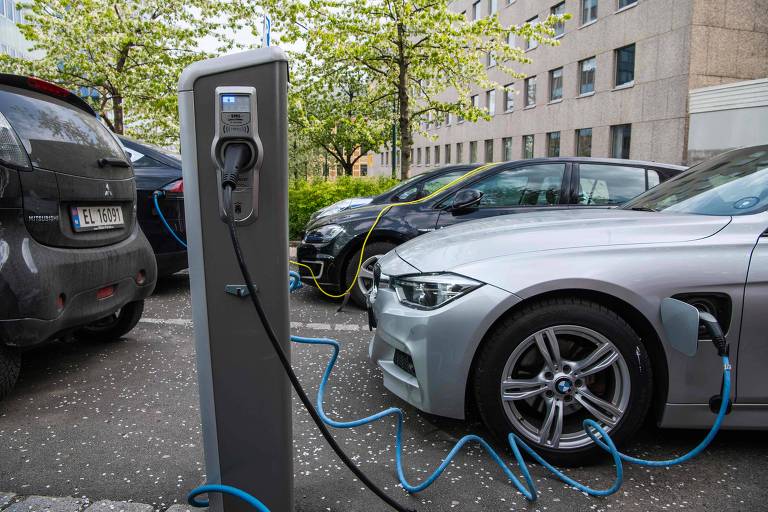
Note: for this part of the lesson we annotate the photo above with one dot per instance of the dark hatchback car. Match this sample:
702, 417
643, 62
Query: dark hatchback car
159, 171
332, 245
414, 187
72, 256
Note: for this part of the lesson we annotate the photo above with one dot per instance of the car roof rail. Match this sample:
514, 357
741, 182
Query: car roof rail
32, 83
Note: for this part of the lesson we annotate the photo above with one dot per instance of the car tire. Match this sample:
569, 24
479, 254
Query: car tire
113, 327
373, 251
512, 363
10, 366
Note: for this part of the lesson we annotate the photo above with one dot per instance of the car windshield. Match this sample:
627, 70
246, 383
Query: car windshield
401, 186
735, 183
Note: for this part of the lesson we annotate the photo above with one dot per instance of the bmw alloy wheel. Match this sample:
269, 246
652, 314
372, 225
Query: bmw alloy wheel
560, 376
365, 278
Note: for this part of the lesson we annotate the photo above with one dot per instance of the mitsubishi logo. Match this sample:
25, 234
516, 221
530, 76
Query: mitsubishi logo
107, 191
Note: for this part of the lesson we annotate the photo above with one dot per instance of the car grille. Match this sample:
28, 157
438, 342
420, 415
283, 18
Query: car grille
404, 362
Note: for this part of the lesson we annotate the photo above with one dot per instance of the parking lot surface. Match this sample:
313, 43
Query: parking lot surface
120, 421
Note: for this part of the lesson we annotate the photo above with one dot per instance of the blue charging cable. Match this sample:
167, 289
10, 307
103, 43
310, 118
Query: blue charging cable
527, 489
173, 233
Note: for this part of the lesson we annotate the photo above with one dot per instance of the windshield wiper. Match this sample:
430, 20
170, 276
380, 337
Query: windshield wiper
643, 209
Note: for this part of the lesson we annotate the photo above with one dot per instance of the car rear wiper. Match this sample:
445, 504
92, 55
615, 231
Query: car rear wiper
112, 162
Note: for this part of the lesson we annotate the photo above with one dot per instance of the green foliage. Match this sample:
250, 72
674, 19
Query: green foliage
307, 196
130, 52
419, 55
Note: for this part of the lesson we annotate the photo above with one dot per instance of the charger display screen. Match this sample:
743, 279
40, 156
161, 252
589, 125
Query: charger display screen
235, 103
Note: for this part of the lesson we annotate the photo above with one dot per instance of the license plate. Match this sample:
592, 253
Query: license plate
92, 218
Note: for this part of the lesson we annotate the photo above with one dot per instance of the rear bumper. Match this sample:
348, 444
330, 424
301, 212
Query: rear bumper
34, 276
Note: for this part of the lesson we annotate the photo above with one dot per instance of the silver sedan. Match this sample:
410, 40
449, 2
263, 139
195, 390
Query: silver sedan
539, 321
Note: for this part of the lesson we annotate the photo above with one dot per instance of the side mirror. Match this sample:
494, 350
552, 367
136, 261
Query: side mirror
466, 199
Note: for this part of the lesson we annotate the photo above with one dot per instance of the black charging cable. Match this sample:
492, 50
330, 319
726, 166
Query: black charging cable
228, 206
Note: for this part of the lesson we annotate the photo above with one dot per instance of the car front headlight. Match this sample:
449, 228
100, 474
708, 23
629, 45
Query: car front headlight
431, 291
323, 234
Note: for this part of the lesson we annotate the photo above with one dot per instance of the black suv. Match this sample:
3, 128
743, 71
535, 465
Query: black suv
332, 244
72, 257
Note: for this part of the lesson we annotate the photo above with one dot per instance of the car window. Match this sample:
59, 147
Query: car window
139, 159
653, 178
531, 185
601, 184
433, 184
735, 183
408, 194
58, 136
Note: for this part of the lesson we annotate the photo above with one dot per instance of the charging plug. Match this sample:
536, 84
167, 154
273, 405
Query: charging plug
236, 157
713, 328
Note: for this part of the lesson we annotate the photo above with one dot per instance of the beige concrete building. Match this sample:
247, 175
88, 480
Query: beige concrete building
617, 86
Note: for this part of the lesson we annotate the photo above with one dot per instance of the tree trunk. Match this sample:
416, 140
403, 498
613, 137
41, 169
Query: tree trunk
117, 114
347, 166
406, 137
404, 120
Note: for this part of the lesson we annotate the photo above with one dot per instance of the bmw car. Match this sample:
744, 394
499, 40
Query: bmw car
539, 321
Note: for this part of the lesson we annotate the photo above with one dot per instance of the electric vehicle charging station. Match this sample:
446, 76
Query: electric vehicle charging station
224, 102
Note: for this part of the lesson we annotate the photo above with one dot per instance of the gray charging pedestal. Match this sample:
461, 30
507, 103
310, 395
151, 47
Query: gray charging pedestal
245, 398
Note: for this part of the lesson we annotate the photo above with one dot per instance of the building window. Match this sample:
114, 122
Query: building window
363, 170
386, 159
473, 151
584, 142
530, 44
490, 101
556, 84
426, 155
437, 155
587, 75
459, 152
476, 10
553, 144
509, 98
530, 91
475, 101
506, 148
381, 159
527, 146
418, 156
448, 119
558, 10
621, 138
489, 150
588, 11
490, 59
625, 65
626, 3
493, 6
447, 153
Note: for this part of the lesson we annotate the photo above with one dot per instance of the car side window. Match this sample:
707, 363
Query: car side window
409, 194
139, 159
435, 183
530, 185
601, 184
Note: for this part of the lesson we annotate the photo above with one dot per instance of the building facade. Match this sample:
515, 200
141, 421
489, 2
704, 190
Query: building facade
12, 42
617, 86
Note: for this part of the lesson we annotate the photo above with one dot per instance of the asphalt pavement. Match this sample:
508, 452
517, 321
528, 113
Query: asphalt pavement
120, 421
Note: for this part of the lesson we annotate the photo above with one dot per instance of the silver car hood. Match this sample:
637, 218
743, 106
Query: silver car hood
483, 239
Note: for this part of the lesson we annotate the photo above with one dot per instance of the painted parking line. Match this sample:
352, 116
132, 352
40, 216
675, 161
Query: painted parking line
313, 326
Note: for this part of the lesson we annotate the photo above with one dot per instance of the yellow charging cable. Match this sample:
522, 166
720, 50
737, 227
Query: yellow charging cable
384, 210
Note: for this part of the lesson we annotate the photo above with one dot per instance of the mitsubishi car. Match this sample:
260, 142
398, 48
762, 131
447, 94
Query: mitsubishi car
72, 257
539, 321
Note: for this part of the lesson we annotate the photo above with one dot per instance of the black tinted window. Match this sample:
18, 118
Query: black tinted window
611, 184
58, 136
531, 185
434, 184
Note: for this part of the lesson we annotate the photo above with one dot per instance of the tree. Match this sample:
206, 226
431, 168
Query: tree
331, 105
125, 55
419, 54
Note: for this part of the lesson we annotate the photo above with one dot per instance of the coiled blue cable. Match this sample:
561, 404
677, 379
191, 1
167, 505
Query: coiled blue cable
527, 489
164, 221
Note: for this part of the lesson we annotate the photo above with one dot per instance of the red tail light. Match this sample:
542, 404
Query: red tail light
47, 87
106, 292
177, 187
